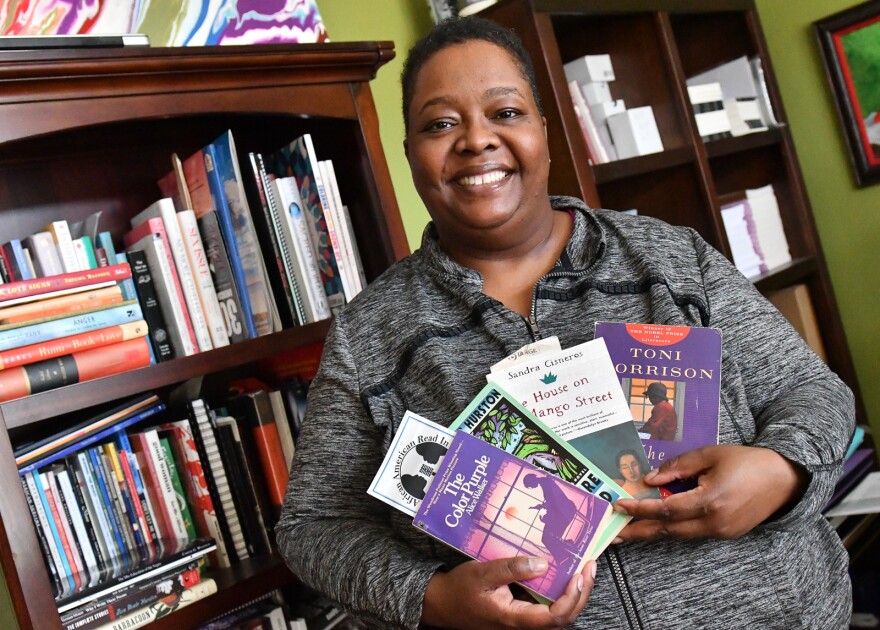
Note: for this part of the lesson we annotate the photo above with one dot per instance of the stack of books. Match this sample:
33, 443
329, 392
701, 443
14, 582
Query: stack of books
130, 505
755, 232
612, 131
69, 328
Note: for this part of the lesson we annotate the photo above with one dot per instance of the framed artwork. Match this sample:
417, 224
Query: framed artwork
850, 45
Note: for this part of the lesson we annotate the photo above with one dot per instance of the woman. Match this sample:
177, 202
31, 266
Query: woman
501, 265
631, 477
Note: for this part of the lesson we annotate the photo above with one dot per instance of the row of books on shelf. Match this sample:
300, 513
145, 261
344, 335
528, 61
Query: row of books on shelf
731, 99
229, 253
755, 232
533, 463
610, 129
140, 498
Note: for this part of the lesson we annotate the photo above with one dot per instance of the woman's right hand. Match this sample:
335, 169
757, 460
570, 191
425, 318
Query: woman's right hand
477, 595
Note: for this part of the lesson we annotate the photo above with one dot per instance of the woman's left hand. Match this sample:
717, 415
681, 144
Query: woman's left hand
738, 488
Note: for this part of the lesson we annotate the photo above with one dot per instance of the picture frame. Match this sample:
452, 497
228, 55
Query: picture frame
850, 45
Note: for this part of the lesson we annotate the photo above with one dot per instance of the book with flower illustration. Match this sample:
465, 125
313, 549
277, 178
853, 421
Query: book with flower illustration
671, 377
489, 504
576, 393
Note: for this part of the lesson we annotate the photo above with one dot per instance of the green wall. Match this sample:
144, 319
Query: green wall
848, 218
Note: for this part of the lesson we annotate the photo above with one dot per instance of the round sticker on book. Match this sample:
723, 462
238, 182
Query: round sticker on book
656, 334
417, 464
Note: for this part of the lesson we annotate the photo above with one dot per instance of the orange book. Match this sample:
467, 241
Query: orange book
62, 305
74, 368
68, 345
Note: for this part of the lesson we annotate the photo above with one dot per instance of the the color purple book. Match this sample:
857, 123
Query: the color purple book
671, 376
489, 505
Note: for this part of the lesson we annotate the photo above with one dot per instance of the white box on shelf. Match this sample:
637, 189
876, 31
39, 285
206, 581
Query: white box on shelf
596, 92
635, 132
589, 68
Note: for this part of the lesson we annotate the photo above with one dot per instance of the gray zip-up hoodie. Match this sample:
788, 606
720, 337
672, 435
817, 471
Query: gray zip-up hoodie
422, 337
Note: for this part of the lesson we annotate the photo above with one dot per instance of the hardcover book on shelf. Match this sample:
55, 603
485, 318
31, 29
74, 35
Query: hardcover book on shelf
275, 242
60, 306
152, 237
306, 269
44, 254
75, 368
577, 394
148, 298
20, 292
489, 504
60, 232
170, 300
262, 303
298, 160
671, 377
163, 211
410, 463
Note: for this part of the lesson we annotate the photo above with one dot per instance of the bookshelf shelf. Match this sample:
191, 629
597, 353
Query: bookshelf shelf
91, 130
654, 47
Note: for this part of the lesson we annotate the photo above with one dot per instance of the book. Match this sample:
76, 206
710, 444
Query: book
123, 545
145, 290
170, 301
489, 505
103, 561
671, 377
634, 132
163, 607
151, 237
298, 159
43, 541
124, 501
84, 248
282, 422
409, 465
577, 394
42, 288
97, 513
237, 212
15, 255
180, 502
74, 368
224, 220
598, 152
201, 272
337, 229
161, 476
275, 243
167, 562
47, 521
44, 254
91, 300
295, 226
742, 235
60, 232
768, 222
68, 545
163, 211
27, 454
495, 417
83, 540
87, 40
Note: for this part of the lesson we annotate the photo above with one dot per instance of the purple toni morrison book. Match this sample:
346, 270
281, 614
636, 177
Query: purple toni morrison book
671, 376
489, 505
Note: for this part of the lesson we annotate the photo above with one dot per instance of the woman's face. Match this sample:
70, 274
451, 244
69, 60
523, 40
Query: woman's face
476, 142
630, 468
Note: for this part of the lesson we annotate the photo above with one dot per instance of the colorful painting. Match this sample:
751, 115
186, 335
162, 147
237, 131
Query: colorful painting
170, 22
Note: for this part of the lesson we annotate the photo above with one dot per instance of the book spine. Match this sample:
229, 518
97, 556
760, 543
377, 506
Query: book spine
224, 220
127, 500
5, 268
62, 305
282, 423
202, 274
127, 456
67, 326
152, 489
117, 503
333, 230
35, 483
177, 485
42, 529
143, 616
160, 336
44, 254
169, 497
95, 502
68, 544
16, 253
74, 368
96, 468
343, 226
358, 261
71, 507
268, 444
224, 280
69, 345
17, 292
266, 224
88, 517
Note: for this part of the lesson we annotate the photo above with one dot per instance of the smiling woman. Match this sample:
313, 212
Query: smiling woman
503, 264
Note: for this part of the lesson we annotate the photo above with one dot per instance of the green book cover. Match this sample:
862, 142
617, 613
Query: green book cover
178, 489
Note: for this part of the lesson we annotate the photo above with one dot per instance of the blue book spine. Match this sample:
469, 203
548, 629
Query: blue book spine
20, 261
93, 439
128, 291
68, 574
100, 510
107, 500
105, 241
67, 326
221, 204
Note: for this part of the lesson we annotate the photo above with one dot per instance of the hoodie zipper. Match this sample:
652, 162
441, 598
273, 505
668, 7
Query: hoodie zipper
623, 591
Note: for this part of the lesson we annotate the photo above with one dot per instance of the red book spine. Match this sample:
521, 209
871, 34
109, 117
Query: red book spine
272, 459
62, 534
74, 368
72, 280
151, 486
156, 226
69, 345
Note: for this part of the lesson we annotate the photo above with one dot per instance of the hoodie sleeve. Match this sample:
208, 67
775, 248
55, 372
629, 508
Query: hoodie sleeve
332, 535
802, 410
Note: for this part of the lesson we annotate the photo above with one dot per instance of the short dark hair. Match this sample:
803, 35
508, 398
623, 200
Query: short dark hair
459, 30
625, 452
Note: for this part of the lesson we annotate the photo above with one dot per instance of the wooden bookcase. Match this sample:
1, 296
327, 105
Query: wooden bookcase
654, 46
87, 130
